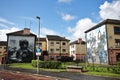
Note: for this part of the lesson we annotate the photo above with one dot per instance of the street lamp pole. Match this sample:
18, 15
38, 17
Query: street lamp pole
37, 17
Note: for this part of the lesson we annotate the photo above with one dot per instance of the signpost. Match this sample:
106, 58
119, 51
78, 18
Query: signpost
38, 53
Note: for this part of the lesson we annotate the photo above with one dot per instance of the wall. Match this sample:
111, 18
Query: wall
21, 48
97, 45
113, 49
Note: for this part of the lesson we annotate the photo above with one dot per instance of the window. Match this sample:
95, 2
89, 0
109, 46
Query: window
63, 43
116, 30
4, 47
51, 50
51, 43
57, 49
57, 43
117, 42
73, 46
73, 52
63, 50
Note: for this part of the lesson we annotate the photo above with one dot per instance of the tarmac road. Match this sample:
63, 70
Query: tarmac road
65, 75
9, 75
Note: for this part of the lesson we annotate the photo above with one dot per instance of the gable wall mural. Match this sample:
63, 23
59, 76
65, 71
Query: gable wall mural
97, 45
21, 48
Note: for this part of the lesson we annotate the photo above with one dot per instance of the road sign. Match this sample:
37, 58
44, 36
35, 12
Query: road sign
38, 51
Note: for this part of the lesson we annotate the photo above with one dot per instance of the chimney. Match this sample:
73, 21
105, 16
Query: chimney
79, 40
26, 31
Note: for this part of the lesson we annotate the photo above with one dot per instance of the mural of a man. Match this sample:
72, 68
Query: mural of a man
23, 54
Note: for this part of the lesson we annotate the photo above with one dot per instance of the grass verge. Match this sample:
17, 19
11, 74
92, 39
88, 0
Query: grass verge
103, 74
29, 66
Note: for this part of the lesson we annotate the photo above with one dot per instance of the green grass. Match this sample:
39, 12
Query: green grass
29, 66
22, 65
103, 74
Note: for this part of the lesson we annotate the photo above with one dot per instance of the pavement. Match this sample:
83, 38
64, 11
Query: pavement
60, 75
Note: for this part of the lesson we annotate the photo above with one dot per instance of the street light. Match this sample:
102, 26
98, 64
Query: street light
38, 49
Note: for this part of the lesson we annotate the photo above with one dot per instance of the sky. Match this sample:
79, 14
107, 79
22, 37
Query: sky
65, 18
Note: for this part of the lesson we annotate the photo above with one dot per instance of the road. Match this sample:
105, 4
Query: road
64, 75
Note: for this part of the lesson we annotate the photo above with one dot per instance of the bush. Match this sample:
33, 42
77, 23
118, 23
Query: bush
34, 63
47, 64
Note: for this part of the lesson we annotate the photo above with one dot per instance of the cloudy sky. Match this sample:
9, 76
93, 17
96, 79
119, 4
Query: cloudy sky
67, 18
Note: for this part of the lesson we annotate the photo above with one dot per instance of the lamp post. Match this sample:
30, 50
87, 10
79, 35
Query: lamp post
37, 17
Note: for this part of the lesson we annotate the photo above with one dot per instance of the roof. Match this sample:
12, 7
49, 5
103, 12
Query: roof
20, 33
107, 21
76, 42
41, 39
3, 43
56, 38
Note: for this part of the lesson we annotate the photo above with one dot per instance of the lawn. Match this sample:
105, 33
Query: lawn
103, 74
22, 65
29, 66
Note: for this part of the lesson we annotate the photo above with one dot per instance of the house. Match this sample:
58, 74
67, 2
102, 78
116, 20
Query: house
3, 45
42, 42
103, 42
78, 49
57, 46
21, 46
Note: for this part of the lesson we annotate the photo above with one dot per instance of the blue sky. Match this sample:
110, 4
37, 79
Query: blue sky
67, 18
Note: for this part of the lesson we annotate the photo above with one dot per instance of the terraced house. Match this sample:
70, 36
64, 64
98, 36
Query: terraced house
57, 46
103, 42
3, 45
78, 49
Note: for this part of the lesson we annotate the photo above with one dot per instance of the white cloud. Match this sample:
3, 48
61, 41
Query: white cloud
64, 1
3, 32
80, 27
67, 17
110, 10
2, 20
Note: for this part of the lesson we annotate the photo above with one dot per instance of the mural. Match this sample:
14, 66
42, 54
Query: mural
97, 46
20, 48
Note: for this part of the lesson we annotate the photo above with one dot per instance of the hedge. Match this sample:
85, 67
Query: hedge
47, 64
